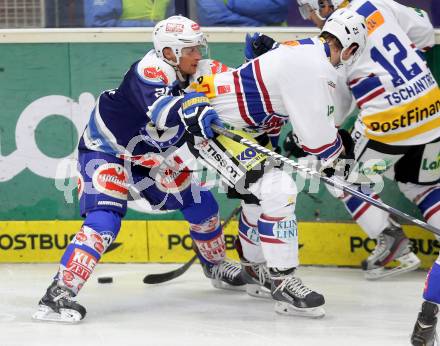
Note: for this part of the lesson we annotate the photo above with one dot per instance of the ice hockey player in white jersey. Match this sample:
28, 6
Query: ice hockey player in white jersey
397, 127
282, 85
120, 148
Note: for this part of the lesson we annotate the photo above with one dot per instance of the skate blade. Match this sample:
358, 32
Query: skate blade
224, 286
258, 291
44, 313
288, 309
408, 262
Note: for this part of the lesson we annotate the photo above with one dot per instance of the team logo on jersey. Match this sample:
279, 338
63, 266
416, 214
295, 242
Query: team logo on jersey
147, 160
111, 179
223, 89
155, 74
217, 67
273, 121
175, 177
195, 27
162, 139
175, 27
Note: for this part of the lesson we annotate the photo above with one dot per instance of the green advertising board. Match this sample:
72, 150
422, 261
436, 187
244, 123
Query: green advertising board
47, 91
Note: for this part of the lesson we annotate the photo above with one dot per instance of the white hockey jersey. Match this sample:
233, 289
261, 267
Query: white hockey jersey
295, 83
393, 87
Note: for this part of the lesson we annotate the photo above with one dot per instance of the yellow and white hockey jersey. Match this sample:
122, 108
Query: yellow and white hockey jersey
395, 90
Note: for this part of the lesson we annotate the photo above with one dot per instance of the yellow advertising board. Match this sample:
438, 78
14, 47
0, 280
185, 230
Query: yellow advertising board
45, 241
326, 244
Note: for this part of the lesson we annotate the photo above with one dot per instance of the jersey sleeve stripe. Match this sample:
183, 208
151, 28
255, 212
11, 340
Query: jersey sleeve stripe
240, 100
263, 88
251, 92
159, 110
327, 150
365, 86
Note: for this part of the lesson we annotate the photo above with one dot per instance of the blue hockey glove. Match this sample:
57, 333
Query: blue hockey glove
257, 45
197, 115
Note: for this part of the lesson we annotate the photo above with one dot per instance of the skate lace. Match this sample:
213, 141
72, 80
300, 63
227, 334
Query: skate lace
263, 273
380, 247
261, 270
294, 285
65, 295
225, 269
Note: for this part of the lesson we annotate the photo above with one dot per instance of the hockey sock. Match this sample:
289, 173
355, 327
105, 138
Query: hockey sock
205, 229
250, 240
372, 220
279, 240
99, 230
432, 284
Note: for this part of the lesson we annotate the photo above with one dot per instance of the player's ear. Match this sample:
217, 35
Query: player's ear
168, 54
347, 53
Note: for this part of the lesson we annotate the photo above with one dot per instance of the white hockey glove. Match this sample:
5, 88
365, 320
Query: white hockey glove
197, 115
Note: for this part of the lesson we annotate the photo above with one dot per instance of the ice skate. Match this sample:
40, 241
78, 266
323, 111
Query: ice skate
293, 297
225, 275
57, 306
257, 278
392, 245
424, 333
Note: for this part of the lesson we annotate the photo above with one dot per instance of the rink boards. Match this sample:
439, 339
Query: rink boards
327, 244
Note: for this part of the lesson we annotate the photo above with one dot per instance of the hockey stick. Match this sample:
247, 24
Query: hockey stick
163, 277
327, 180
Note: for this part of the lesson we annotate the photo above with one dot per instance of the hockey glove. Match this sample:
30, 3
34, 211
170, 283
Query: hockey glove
197, 115
342, 165
257, 45
291, 146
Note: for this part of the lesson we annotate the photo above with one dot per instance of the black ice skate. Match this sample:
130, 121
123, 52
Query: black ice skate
257, 278
392, 245
424, 333
293, 297
57, 306
225, 275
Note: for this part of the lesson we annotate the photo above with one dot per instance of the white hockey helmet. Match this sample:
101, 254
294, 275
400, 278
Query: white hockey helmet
305, 7
338, 3
177, 32
348, 27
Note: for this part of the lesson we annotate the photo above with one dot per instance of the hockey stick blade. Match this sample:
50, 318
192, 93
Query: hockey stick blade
164, 277
153, 279
381, 205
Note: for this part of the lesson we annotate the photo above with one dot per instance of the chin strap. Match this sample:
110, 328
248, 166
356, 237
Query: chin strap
176, 69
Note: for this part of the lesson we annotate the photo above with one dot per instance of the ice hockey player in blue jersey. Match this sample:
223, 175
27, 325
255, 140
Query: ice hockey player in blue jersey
120, 150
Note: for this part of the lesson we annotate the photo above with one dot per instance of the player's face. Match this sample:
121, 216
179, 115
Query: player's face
325, 8
335, 51
189, 60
